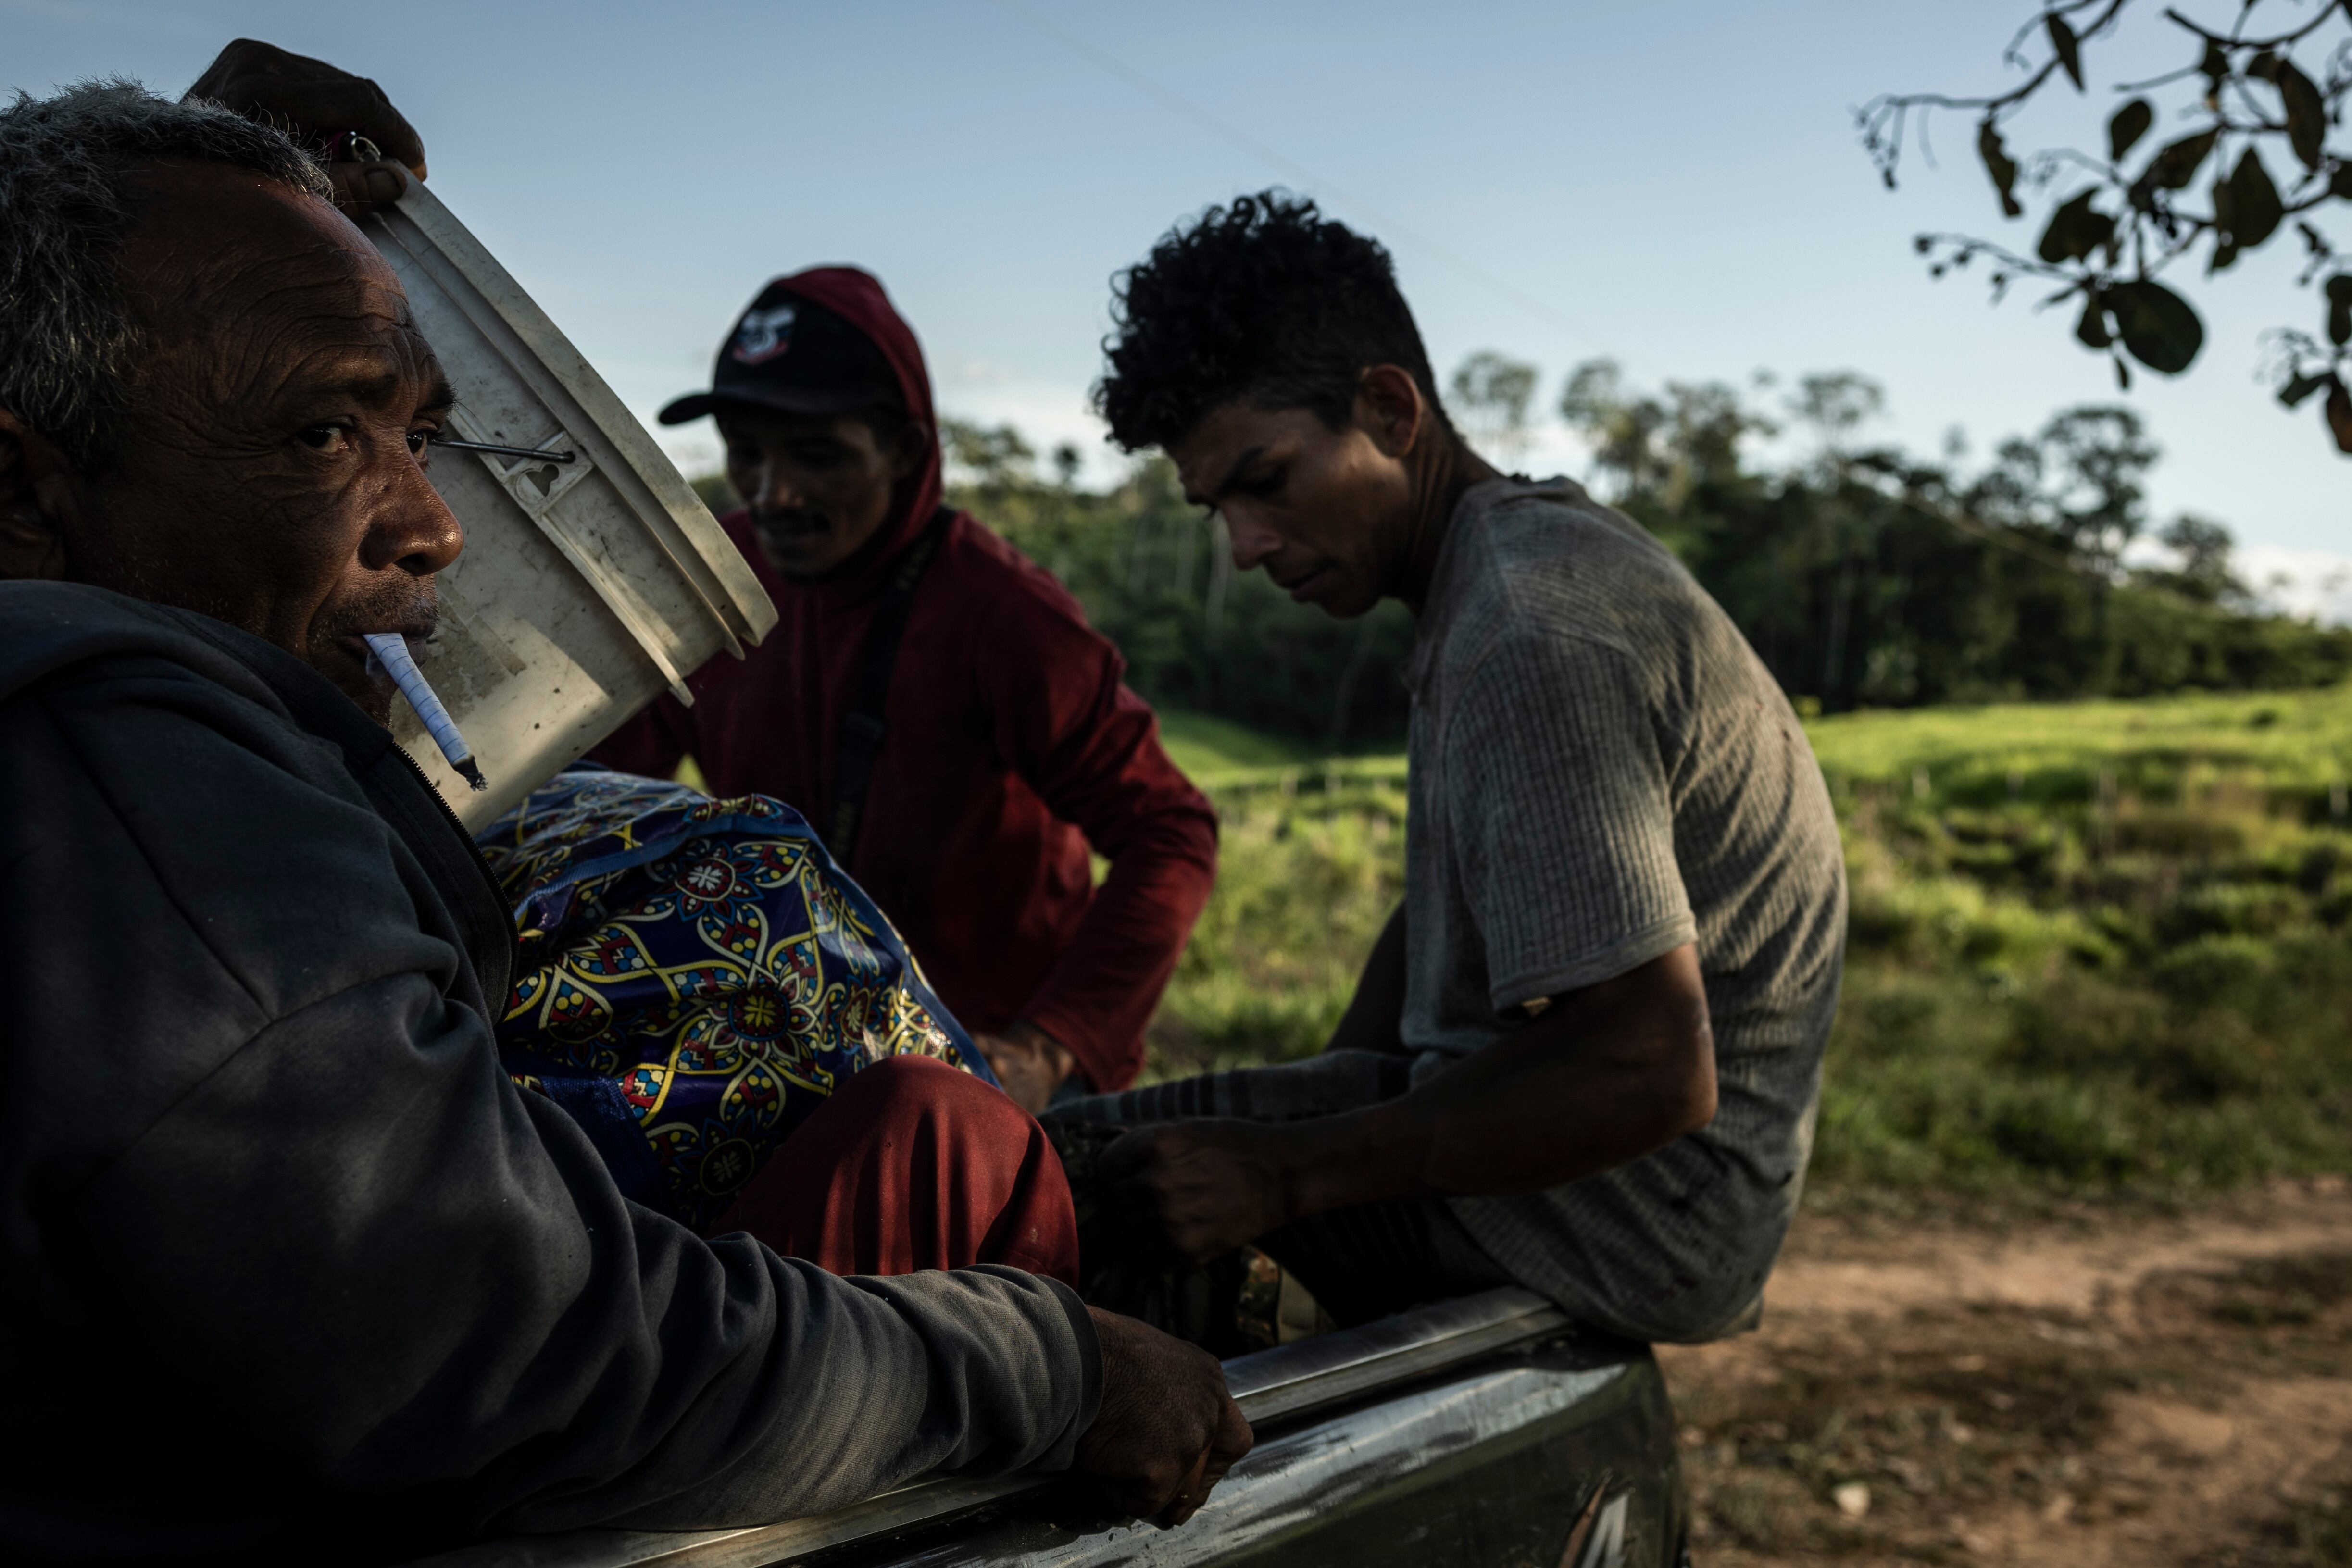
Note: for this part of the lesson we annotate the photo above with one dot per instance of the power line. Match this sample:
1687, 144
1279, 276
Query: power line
1306, 177
2008, 540
1997, 535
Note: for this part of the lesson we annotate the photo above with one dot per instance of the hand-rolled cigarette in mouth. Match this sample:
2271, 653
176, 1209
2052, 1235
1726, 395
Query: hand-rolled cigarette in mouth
390, 649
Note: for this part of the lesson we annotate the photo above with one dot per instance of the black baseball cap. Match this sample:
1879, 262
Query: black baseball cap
790, 353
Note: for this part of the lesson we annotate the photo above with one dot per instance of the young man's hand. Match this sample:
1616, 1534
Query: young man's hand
1030, 1064
1220, 1183
1168, 1430
311, 100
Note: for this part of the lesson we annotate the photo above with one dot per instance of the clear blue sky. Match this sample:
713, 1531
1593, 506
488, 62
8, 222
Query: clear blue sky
1677, 186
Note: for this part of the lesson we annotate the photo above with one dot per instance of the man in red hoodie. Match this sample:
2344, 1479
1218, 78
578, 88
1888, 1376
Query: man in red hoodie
934, 703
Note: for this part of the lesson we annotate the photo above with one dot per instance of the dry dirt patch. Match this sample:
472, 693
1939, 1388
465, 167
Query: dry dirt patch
2081, 1389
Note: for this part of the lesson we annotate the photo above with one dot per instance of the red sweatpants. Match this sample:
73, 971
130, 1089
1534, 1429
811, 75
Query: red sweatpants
912, 1165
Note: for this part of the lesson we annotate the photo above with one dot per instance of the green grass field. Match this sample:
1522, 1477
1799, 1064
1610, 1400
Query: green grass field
1210, 748
2095, 946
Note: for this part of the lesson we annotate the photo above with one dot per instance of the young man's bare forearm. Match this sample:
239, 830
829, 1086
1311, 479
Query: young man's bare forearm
1604, 1076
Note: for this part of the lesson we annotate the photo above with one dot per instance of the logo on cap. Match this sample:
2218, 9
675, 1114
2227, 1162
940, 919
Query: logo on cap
764, 334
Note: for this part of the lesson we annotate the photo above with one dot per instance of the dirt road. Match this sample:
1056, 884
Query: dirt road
2082, 1388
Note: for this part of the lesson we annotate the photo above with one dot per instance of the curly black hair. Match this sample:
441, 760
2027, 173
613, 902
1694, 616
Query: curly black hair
1263, 298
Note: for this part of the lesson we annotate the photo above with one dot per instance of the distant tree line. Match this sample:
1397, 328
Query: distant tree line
1863, 575
1867, 577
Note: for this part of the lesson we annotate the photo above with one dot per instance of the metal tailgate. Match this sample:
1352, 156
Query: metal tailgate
1471, 1432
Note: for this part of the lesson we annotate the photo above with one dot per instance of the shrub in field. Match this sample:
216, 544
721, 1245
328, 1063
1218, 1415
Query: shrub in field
2093, 944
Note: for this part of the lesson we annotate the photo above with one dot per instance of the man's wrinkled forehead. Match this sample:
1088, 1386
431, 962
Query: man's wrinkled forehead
1212, 456
256, 277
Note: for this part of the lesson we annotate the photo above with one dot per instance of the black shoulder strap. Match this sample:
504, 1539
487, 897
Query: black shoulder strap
862, 727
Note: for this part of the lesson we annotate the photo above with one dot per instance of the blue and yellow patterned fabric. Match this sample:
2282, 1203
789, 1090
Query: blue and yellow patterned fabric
696, 975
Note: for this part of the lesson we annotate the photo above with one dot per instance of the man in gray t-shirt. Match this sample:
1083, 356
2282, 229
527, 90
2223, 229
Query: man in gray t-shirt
1585, 1055
1602, 773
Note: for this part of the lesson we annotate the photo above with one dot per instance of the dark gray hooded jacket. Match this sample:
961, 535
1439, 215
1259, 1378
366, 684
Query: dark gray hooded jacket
281, 1248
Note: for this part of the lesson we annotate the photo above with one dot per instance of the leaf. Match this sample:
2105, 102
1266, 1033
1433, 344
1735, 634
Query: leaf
2069, 49
2122, 374
2075, 230
2091, 331
2225, 210
2339, 183
2256, 210
2130, 123
2177, 164
2338, 291
2158, 327
2307, 113
2294, 393
2339, 414
2000, 166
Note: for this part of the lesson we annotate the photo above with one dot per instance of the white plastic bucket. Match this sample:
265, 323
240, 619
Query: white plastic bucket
586, 587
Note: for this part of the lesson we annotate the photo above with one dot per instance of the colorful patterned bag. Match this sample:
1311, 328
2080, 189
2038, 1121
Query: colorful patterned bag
696, 976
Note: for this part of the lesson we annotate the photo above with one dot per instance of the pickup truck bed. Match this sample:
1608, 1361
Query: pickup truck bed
1479, 1433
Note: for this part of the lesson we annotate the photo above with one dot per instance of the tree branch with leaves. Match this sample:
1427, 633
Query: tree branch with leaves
2257, 106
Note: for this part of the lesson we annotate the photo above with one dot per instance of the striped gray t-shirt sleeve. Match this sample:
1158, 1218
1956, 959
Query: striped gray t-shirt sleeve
1558, 809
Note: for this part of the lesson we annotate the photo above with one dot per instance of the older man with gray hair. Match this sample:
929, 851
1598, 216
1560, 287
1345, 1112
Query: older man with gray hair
282, 1245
